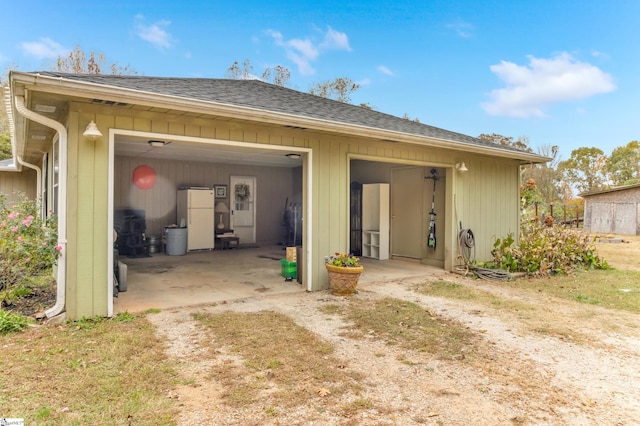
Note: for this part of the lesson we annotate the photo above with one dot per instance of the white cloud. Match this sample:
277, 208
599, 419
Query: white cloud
154, 33
304, 48
304, 51
463, 29
529, 89
335, 40
44, 49
384, 70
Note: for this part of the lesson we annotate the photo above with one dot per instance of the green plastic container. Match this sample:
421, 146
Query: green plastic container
289, 269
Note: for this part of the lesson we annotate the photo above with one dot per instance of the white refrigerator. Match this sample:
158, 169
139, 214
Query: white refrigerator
195, 209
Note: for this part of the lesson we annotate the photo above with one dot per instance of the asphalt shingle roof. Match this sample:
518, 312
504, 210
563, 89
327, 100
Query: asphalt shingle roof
264, 96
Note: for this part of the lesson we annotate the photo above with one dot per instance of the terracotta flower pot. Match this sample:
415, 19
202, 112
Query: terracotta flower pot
343, 280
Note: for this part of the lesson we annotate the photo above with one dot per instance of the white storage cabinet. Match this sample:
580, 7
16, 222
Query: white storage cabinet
375, 220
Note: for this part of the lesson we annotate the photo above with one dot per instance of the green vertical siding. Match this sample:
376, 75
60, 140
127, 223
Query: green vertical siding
485, 199
87, 204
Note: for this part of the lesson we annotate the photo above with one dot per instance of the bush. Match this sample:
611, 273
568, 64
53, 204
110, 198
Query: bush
28, 244
546, 250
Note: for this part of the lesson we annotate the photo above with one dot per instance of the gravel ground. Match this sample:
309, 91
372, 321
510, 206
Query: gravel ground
525, 379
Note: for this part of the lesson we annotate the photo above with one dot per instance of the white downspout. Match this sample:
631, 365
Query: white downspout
38, 175
62, 202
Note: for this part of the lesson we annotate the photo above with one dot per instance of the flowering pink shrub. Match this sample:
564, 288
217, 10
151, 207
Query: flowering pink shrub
28, 245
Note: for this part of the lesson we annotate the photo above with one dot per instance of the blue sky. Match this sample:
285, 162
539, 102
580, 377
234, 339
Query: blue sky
563, 73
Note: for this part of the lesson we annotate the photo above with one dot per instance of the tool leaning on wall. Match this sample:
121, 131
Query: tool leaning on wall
431, 239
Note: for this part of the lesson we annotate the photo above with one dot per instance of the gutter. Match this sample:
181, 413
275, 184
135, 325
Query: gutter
38, 175
62, 201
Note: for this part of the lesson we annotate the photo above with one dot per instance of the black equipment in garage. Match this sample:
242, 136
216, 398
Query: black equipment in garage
355, 221
130, 225
293, 224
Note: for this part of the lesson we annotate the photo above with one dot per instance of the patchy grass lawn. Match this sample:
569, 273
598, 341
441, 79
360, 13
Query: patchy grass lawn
614, 289
617, 289
89, 372
278, 364
115, 371
611, 288
405, 324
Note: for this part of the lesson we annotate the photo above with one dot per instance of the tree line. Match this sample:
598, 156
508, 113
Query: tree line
586, 169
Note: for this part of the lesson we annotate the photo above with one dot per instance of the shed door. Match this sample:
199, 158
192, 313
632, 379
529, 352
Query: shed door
406, 212
625, 218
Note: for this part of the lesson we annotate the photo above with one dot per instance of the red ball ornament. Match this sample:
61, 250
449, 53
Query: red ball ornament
144, 177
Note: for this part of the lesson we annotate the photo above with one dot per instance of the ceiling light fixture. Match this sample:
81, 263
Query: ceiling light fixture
92, 132
293, 156
157, 144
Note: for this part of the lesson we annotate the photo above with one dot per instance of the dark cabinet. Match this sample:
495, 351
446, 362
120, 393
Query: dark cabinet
355, 223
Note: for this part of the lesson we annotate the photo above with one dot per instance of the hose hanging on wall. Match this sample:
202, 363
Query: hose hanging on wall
466, 242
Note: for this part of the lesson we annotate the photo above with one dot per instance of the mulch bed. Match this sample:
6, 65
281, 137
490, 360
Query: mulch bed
33, 305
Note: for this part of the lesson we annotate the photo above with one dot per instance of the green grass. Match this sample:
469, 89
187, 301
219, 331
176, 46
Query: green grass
611, 288
12, 323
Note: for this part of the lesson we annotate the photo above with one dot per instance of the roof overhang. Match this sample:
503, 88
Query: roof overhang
609, 190
23, 83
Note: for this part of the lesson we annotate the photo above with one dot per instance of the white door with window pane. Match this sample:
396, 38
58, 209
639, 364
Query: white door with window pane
243, 207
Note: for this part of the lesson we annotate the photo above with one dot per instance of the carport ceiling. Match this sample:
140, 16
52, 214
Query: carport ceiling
131, 146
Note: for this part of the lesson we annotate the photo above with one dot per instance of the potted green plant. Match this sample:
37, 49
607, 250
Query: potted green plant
344, 271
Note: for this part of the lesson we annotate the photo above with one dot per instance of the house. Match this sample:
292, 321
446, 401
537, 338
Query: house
615, 210
88, 135
13, 184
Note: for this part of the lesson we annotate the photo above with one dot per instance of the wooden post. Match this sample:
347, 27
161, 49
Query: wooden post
564, 211
577, 216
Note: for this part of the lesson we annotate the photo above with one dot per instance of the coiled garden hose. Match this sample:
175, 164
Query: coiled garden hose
466, 242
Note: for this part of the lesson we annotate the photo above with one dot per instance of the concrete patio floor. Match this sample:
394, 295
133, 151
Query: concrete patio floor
162, 281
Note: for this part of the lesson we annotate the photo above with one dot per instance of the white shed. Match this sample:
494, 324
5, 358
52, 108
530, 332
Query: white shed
615, 210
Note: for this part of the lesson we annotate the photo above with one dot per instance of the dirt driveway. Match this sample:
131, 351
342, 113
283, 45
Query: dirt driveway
587, 375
